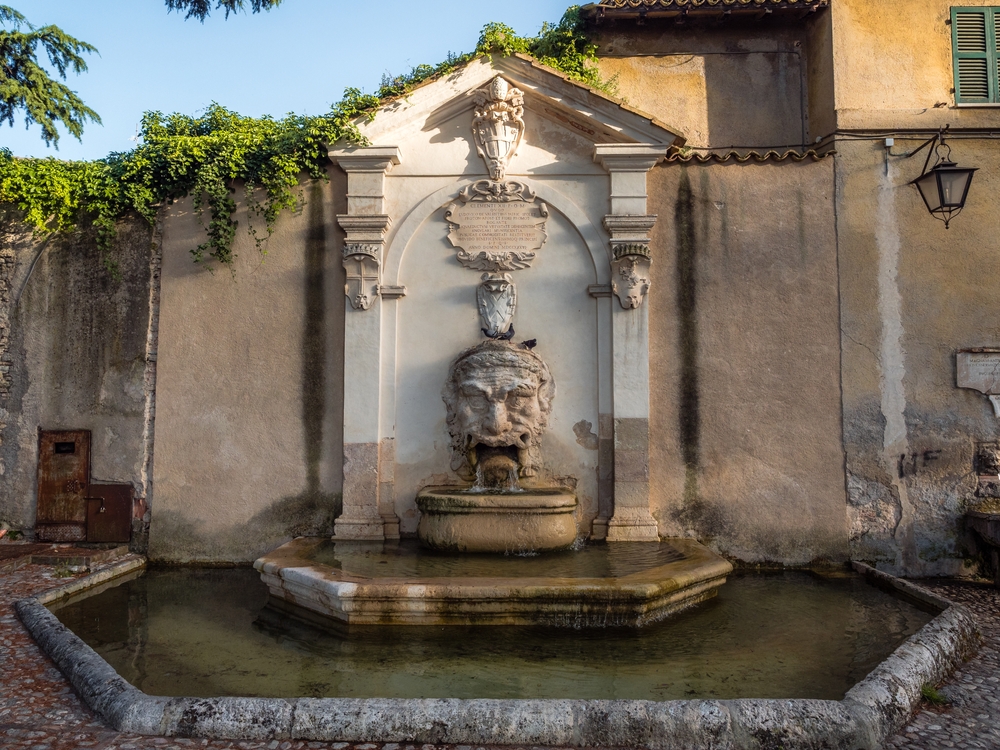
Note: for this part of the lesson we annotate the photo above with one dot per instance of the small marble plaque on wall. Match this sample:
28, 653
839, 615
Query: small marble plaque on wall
979, 370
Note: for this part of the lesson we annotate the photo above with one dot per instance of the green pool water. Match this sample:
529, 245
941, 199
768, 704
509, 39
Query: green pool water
207, 632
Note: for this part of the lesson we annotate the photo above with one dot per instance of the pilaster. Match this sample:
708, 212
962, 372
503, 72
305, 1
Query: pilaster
629, 226
364, 515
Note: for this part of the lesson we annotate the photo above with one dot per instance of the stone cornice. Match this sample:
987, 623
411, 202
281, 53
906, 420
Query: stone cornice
366, 159
629, 157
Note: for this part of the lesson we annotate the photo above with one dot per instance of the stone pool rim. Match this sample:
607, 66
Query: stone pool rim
870, 711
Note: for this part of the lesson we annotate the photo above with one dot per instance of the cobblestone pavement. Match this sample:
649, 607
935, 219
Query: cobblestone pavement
39, 711
972, 720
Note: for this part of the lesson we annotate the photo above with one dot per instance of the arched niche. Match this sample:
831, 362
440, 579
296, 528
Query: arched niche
437, 319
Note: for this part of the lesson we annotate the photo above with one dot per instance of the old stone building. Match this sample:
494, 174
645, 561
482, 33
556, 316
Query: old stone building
801, 319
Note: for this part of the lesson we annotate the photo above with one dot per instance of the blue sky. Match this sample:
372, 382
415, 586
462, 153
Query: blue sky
297, 58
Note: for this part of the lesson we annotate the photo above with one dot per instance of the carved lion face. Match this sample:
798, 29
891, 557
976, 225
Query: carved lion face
497, 395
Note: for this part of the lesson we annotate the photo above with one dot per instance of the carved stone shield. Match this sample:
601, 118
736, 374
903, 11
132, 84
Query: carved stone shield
497, 298
498, 124
361, 264
630, 280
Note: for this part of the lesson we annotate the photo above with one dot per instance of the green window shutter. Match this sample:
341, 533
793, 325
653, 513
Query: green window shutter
974, 46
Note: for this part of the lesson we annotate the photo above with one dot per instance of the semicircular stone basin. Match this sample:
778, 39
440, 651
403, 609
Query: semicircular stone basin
532, 520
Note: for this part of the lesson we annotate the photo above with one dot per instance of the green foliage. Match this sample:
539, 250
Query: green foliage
567, 47
201, 9
182, 155
564, 46
26, 86
932, 695
206, 156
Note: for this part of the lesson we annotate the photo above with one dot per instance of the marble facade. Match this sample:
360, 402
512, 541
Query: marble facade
503, 201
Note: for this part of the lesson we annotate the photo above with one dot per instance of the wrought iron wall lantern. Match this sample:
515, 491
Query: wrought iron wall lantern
945, 186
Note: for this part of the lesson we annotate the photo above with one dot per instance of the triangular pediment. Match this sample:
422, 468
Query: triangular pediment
579, 108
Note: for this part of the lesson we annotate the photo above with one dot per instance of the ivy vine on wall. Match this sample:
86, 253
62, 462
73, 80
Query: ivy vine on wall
205, 156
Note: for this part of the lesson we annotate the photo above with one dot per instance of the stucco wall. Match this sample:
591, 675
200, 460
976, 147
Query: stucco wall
893, 65
249, 386
719, 87
912, 294
76, 356
745, 433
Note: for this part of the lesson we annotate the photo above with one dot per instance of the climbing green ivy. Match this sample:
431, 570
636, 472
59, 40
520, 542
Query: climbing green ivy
207, 155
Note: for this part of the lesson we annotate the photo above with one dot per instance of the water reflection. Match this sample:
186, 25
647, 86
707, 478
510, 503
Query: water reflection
207, 633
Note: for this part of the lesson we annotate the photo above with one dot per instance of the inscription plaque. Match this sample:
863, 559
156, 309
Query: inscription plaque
497, 226
980, 371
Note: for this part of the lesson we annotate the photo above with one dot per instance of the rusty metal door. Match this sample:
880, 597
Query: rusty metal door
109, 513
63, 479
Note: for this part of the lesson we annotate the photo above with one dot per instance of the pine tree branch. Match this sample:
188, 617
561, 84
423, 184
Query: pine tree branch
201, 9
25, 86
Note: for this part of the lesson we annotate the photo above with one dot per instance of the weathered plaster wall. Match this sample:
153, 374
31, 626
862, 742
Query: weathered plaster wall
745, 434
913, 293
892, 62
820, 83
719, 87
76, 353
249, 386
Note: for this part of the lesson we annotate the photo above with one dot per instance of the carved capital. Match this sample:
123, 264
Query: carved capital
364, 228
392, 292
366, 159
620, 249
599, 290
629, 227
368, 249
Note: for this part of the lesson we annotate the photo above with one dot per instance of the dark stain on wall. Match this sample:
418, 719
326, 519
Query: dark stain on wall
690, 423
314, 339
177, 539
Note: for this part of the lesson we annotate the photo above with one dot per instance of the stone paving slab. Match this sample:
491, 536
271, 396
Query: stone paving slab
39, 711
16, 555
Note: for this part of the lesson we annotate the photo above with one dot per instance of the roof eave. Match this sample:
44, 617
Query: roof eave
720, 10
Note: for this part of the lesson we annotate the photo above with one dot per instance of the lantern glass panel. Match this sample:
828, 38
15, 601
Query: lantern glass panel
954, 185
928, 187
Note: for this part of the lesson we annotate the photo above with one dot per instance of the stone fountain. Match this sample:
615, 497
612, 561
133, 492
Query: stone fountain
511, 509
498, 398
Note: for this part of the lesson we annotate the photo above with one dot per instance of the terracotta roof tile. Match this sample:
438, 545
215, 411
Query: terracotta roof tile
706, 4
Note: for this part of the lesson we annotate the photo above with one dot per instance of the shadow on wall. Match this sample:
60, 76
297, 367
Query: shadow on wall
754, 99
175, 538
